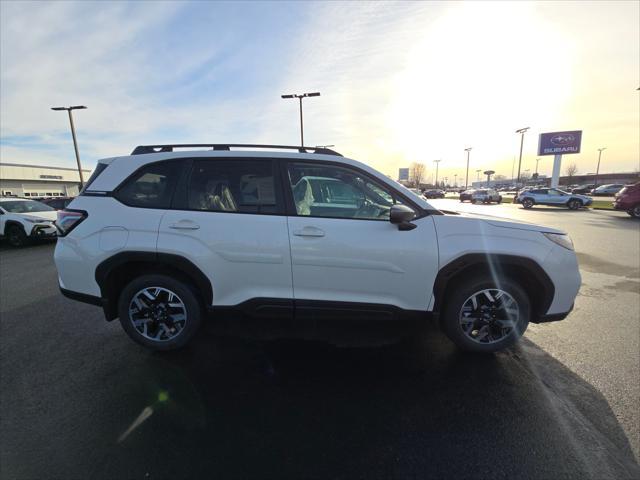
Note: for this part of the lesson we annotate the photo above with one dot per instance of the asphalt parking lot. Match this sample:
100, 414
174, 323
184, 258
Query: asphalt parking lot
78, 399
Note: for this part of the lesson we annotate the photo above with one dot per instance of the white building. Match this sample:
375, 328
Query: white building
39, 181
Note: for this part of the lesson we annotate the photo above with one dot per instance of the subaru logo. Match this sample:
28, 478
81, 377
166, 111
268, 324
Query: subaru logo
563, 139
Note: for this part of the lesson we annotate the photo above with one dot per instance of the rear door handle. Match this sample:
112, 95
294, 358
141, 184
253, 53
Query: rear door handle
309, 232
185, 225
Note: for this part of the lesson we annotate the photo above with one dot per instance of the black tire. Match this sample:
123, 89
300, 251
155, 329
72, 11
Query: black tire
635, 211
455, 300
16, 236
473, 201
500, 199
574, 204
185, 294
527, 203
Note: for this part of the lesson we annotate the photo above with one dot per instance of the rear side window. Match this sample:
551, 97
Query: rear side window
150, 187
241, 186
98, 170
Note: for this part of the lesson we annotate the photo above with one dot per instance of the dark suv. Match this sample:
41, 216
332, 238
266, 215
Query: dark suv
628, 199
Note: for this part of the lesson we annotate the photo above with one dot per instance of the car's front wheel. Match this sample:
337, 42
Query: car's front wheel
159, 312
16, 236
527, 203
485, 315
574, 204
635, 211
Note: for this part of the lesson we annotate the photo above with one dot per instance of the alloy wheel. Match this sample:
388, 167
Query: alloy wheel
489, 315
157, 313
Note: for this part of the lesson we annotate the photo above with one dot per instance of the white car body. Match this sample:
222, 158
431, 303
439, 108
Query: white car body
308, 260
37, 224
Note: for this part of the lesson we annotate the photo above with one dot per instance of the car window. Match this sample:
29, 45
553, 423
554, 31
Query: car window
245, 186
338, 192
152, 186
553, 191
24, 206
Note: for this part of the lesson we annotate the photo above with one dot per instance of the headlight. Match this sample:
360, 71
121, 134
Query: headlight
560, 239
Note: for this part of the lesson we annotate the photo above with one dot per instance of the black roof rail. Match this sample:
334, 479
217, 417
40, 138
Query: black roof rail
142, 149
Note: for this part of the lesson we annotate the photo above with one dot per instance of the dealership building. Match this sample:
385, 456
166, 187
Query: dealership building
39, 181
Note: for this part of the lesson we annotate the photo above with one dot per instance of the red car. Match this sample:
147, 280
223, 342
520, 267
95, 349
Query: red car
628, 199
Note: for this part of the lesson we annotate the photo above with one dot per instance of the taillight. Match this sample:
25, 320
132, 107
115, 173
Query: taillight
68, 220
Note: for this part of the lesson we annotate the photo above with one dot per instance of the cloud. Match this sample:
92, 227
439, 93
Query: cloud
400, 82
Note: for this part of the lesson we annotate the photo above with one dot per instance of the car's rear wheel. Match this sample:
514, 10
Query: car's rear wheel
159, 312
16, 236
500, 199
574, 204
486, 315
635, 211
527, 203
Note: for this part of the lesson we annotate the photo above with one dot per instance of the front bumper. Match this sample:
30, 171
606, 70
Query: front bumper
43, 230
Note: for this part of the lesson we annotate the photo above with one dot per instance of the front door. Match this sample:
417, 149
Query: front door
343, 247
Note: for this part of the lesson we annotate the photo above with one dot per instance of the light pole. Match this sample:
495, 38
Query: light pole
478, 174
521, 131
466, 178
455, 180
595, 182
537, 161
300, 96
73, 134
437, 162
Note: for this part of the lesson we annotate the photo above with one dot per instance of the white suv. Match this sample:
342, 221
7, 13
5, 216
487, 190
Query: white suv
163, 238
22, 219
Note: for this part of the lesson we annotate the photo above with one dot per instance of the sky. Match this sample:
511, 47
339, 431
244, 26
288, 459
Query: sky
400, 82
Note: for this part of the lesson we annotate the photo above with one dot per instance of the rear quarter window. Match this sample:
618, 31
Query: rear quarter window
152, 186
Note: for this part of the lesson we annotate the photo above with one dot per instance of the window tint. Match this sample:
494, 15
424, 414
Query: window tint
338, 192
97, 171
245, 186
151, 187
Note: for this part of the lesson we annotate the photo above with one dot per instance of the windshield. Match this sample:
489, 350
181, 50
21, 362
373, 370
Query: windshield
25, 206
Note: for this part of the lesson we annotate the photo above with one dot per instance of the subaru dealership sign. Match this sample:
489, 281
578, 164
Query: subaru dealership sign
559, 143
403, 174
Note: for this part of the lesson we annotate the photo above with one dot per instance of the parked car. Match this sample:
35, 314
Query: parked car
607, 190
163, 239
553, 197
583, 188
433, 193
22, 219
417, 191
628, 199
57, 203
466, 195
485, 195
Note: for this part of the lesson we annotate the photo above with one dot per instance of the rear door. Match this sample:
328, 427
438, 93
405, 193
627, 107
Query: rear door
343, 247
228, 219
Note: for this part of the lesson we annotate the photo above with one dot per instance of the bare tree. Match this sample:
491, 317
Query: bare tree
499, 177
416, 173
571, 170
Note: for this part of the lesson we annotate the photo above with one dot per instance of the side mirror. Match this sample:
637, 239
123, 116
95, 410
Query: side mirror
402, 215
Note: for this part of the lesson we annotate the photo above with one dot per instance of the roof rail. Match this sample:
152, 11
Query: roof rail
142, 149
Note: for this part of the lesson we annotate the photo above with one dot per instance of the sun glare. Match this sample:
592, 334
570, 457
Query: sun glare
479, 73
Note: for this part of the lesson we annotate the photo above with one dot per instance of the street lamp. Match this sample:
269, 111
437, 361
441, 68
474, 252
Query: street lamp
300, 96
595, 182
73, 134
437, 162
521, 131
466, 178
455, 180
478, 174
537, 161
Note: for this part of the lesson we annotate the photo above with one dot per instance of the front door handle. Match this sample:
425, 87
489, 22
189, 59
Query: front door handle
309, 232
185, 225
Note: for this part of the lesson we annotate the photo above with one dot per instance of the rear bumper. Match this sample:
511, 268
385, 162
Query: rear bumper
82, 297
